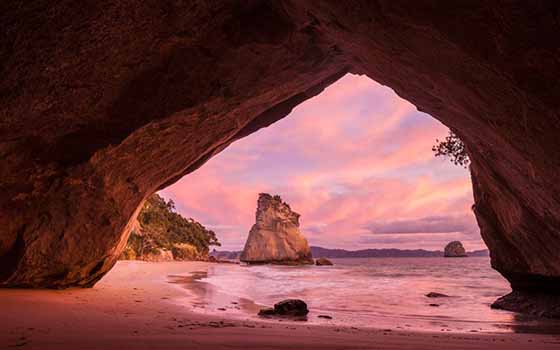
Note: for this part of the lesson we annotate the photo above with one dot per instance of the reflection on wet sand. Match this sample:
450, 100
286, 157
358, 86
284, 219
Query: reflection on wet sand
206, 297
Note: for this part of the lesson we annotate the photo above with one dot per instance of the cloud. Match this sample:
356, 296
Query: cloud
433, 241
430, 224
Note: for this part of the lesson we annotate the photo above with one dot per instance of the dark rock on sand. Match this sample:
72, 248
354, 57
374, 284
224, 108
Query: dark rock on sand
288, 307
536, 304
269, 311
325, 316
291, 307
323, 262
435, 305
454, 249
437, 295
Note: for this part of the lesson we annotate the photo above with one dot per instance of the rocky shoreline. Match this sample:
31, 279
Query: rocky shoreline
530, 303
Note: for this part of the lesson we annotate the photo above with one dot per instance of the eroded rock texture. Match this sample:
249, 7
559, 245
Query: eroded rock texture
532, 303
454, 249
102, 102
275, 237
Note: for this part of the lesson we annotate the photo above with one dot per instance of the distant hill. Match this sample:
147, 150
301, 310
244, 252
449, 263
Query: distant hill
384, 253
481, 252
363, 253
225, 254
373, 253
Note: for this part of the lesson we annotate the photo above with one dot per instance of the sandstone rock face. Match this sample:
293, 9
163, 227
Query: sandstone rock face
101, 106
275, 236
454, 249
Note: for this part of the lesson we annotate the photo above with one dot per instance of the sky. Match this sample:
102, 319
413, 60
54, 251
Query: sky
355, 162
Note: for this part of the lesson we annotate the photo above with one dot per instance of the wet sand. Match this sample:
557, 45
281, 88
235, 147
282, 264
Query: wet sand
135, 307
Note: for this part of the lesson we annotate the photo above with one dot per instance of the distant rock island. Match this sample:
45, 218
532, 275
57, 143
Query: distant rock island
275, 237
454, 249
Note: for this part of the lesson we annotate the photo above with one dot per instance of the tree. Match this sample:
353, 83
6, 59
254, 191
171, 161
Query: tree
162, 227
454, 148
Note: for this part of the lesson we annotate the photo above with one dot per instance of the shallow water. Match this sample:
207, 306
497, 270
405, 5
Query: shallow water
377, 292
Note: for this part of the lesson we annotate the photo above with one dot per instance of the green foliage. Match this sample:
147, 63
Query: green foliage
162, 227
128, 254
186, 251
454, 148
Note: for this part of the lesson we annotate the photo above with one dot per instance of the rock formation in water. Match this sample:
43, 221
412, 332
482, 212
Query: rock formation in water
454, 249
323, 262
98, 110
275, 236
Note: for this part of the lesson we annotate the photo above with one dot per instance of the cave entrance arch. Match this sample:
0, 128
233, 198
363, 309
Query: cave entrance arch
181, 82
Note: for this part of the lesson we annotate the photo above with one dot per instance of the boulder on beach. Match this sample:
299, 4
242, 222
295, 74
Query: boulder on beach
454, 249
437, 295
288, 307
267, 311
275, 236
323, 262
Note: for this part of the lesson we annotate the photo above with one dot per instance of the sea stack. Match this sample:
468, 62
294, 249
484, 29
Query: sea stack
454, 249
275, 237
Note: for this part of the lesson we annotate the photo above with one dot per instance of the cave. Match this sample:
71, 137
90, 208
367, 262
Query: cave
92, 94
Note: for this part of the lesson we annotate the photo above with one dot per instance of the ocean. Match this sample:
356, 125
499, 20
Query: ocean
388, 293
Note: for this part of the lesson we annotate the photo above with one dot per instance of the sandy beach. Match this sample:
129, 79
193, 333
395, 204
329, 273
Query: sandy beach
135, 307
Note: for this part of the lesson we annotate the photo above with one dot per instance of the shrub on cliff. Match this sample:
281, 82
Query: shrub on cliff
453, 148
186, 251
161, 227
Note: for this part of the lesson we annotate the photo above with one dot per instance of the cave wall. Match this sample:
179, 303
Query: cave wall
104, 102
